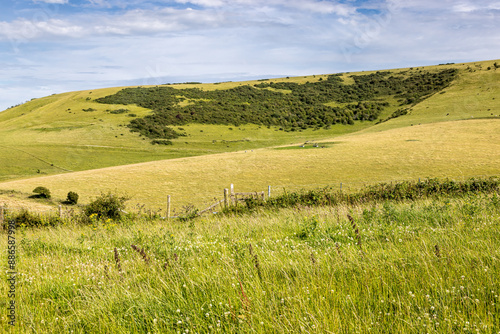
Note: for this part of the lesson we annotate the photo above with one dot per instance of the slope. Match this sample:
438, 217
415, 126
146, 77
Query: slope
457, 149
72, 132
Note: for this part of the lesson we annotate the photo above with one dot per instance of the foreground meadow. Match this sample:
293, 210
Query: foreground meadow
426, 266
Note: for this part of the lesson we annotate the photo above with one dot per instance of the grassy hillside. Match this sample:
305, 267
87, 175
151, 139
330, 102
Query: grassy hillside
457, 149
54, 135
397, 267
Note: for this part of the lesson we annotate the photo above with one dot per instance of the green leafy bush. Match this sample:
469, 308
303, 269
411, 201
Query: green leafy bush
119, 111
161, 142
72, 198
106, 206
42, 192
25, 218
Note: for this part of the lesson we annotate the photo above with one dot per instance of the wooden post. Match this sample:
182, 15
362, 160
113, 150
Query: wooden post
232, 189
226, 199
1, 215
60, 211
340, 185
168, 207
268, 192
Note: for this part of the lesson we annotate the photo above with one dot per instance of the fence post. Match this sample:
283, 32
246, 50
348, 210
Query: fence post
1, 215
268, 192
60, 211
340, 185
232, 189
168, 206
226, 195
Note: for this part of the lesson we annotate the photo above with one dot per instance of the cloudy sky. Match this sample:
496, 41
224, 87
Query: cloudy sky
53, 46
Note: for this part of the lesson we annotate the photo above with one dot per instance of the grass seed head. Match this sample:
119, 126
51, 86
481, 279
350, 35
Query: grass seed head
117, 261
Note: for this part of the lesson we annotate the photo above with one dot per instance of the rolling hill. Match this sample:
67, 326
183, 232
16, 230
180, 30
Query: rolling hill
74, 141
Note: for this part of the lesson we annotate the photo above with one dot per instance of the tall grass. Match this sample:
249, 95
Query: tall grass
429, 265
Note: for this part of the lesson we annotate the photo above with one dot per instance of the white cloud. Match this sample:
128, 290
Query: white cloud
464, 8
22, 30
467, 7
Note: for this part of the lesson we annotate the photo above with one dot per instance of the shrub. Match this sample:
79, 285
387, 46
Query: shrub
106, 206
28, 219
42, 192
161, 142
119, 111
72, 198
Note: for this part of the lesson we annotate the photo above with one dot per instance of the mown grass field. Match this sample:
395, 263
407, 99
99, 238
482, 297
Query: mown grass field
429, 266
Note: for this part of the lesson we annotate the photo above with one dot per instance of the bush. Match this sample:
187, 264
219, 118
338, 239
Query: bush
42, 192
161, 142
28, 219
72, 198
106, 206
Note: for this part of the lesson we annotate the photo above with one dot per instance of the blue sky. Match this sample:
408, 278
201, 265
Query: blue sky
53, 46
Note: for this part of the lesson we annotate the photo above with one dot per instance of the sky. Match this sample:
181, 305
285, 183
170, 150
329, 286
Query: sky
55, 46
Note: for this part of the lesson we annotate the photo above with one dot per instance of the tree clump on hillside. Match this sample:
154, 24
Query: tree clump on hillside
287, 105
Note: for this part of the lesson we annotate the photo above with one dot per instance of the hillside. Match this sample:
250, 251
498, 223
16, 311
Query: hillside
456, 149
437, 133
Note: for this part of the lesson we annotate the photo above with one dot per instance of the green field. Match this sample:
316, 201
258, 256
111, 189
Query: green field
457, 149
403, 267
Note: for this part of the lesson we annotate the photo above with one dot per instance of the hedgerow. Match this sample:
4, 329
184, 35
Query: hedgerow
398, 191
